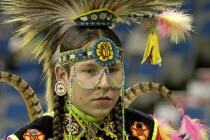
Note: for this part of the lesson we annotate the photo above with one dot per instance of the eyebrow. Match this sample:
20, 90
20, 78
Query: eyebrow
89, 64
93, 64
115, 64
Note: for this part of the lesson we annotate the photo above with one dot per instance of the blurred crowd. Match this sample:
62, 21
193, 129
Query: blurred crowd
185, 70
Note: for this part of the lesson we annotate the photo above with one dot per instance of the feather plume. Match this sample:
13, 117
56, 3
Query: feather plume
174, 24
165, 131
53, 17
193, 128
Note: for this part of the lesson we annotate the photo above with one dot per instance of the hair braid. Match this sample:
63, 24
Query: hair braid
58, 117
117, 118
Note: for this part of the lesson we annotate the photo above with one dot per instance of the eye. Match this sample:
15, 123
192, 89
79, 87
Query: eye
89, 71
111, 70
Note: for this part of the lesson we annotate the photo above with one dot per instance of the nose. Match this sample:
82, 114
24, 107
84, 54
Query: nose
105, 82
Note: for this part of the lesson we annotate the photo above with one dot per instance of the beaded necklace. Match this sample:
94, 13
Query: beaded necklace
83, 125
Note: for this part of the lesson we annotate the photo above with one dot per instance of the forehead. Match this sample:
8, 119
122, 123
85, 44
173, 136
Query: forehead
93, 63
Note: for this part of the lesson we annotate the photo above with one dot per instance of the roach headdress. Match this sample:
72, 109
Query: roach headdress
52, 18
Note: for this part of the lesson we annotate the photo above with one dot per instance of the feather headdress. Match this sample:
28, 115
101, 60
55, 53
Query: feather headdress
53, 17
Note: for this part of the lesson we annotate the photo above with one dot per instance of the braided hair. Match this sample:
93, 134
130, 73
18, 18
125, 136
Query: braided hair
116, 115
58, 117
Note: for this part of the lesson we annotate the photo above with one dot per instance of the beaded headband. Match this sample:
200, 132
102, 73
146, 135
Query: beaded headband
104, 51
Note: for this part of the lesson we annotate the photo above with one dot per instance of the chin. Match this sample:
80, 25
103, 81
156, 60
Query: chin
101, 113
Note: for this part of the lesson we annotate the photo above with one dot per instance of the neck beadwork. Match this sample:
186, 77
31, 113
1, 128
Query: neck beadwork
78, 124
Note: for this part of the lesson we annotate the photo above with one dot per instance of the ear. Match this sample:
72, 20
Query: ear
61, 74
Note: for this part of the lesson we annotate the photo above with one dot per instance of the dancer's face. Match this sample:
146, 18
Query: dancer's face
99, 101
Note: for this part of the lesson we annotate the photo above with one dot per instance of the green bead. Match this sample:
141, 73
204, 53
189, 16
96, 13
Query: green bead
97, 82
71, 91
80, 84
123, 133
113, 82
70, 136
123, 82
123, 89
123, 111
70, 114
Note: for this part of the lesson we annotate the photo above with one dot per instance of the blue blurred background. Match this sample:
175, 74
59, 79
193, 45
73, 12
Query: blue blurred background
185, 70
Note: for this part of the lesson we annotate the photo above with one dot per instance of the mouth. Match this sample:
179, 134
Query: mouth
103, 98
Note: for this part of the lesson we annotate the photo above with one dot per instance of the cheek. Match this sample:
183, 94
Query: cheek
79, 94
117, 94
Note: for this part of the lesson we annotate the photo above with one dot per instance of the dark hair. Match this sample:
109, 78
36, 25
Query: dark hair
77, 37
